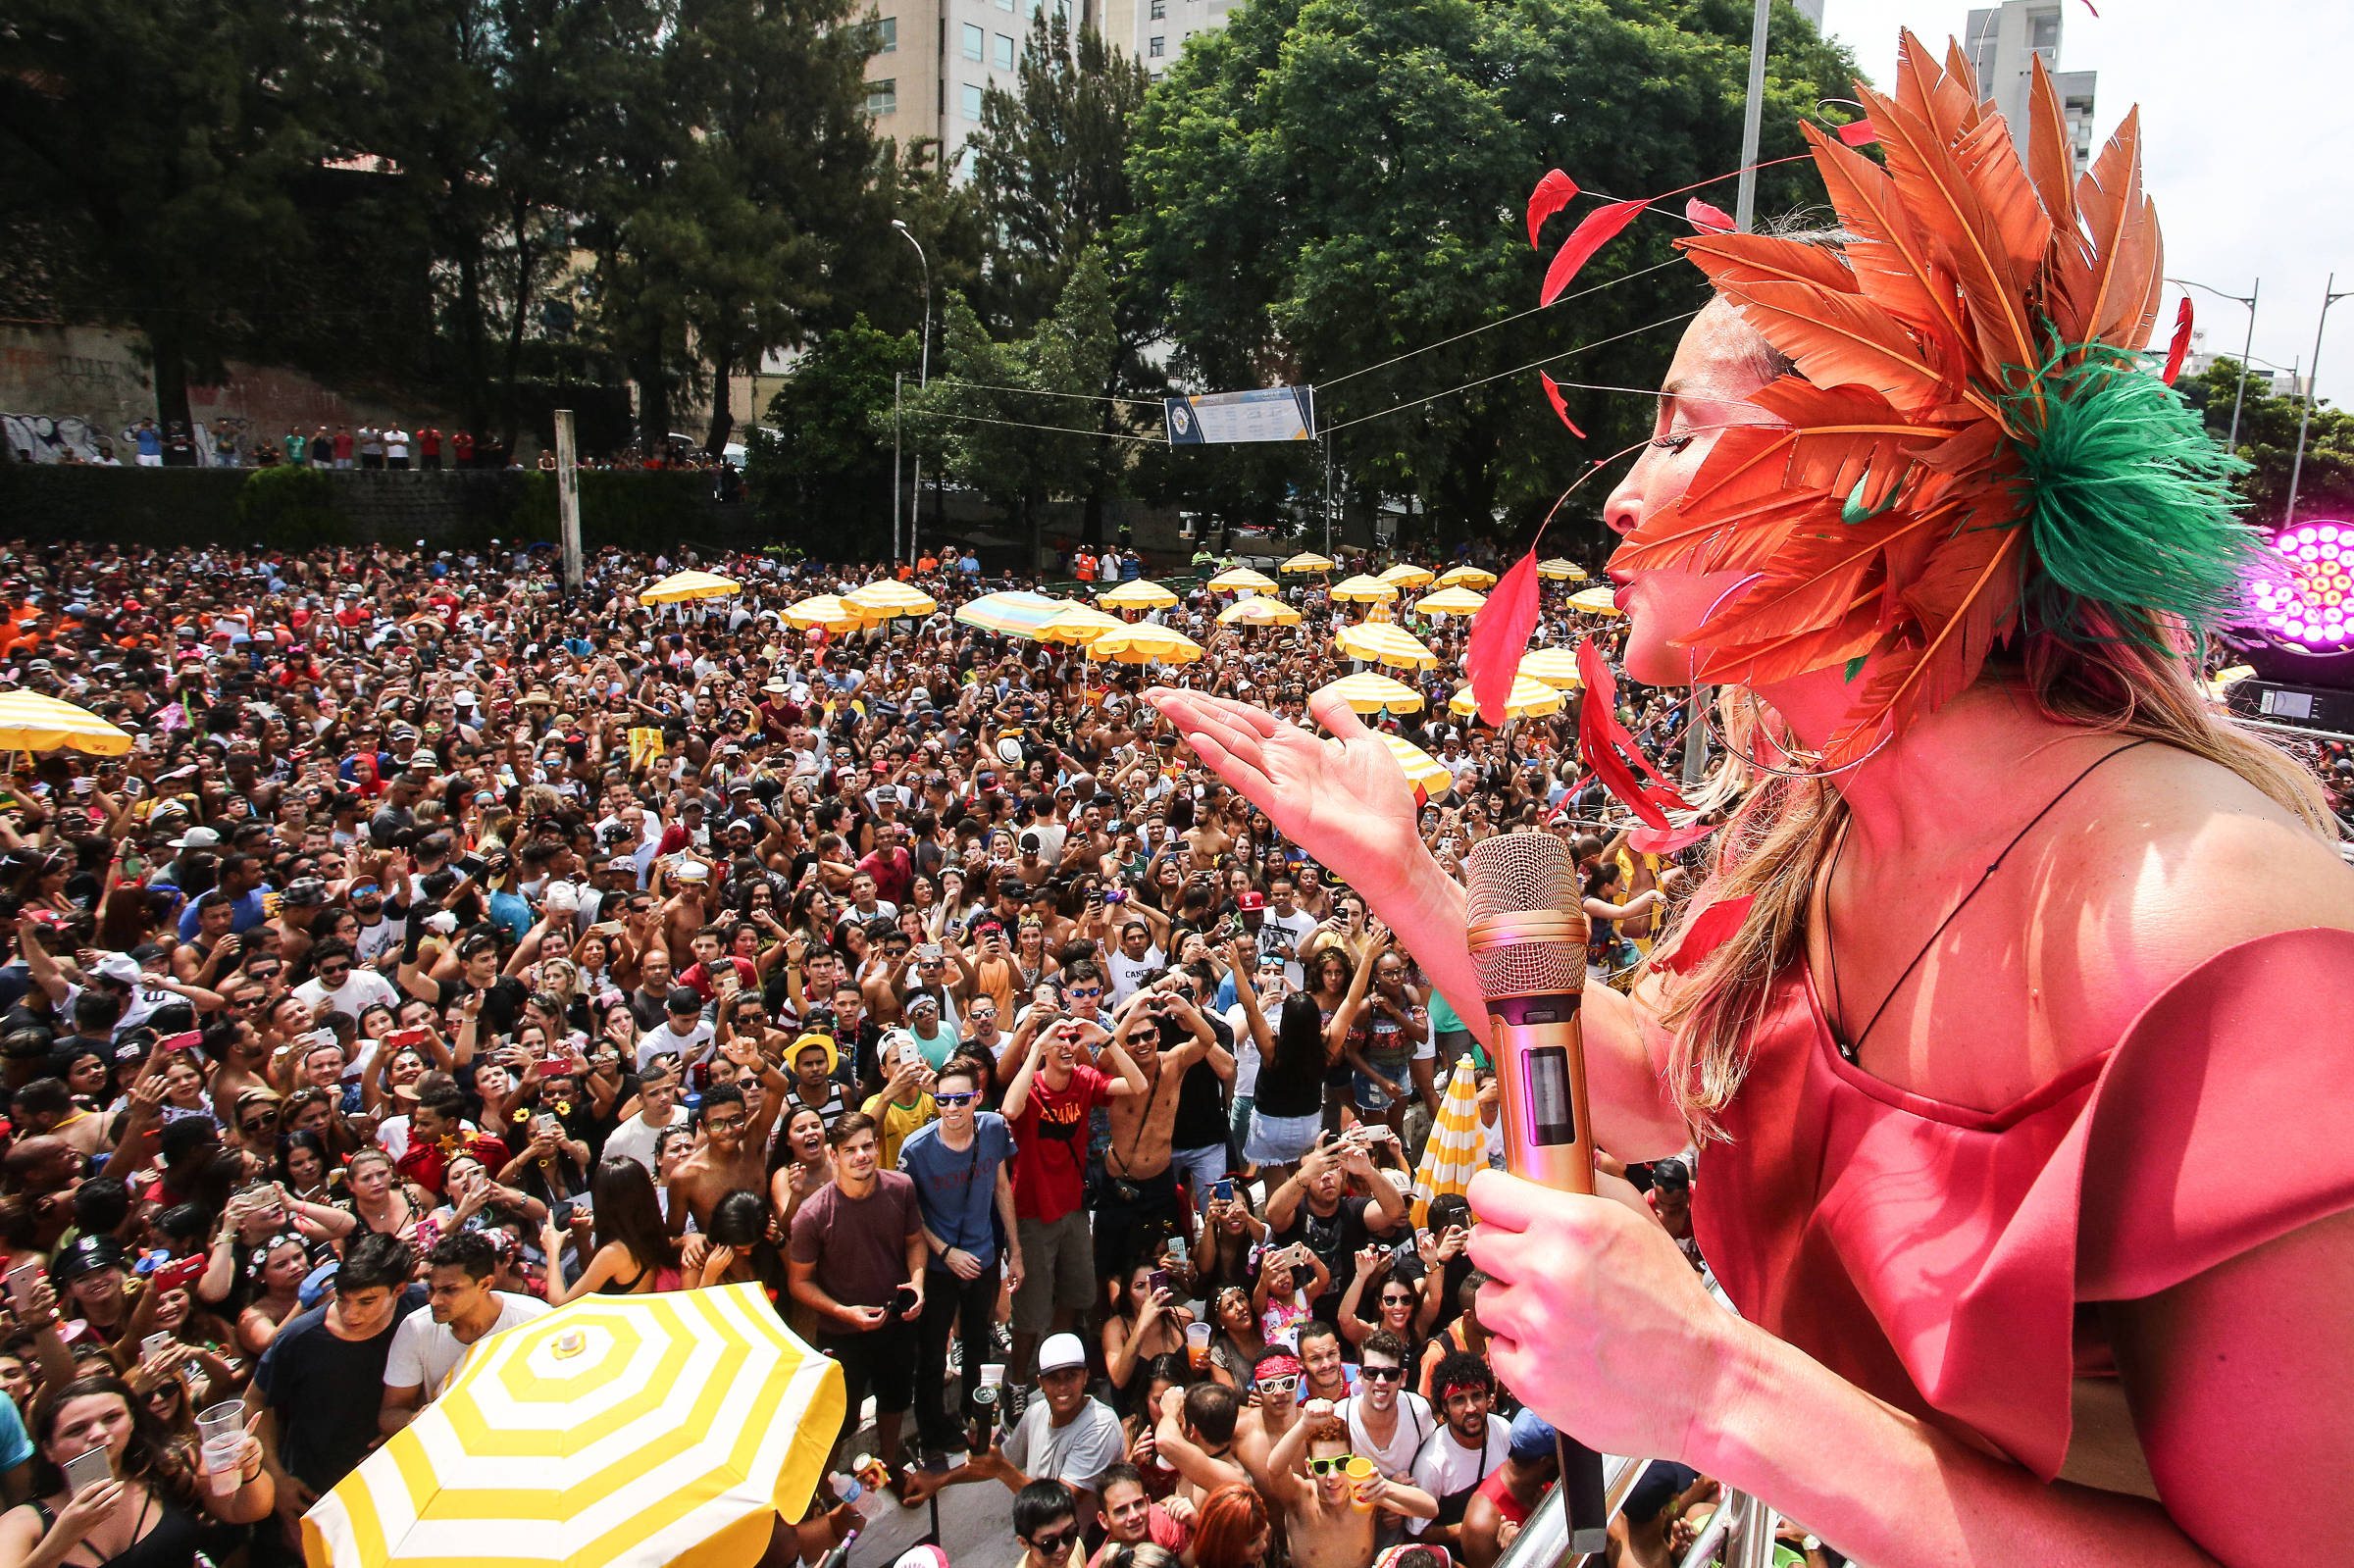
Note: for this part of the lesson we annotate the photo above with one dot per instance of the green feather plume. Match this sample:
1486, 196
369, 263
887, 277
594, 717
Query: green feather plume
2127, 501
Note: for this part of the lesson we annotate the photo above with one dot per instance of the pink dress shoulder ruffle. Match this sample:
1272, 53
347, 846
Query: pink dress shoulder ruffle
1935, 1256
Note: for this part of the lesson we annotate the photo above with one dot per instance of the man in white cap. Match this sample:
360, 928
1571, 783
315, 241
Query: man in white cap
1063, 1436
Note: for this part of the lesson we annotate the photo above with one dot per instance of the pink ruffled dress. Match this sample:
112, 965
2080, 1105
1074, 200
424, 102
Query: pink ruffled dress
1937, 1257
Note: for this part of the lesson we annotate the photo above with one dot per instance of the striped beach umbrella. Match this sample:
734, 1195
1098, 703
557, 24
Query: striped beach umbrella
828, 612
1145, 643
1077, 622
1259, 610
30, 722
1142, 594
885, 597
1406, 575
1467, 576
1012, 612
1426, 773
1306, 561
1450, 602
1457, 1149
1528, 698
1561, 569
1237, 579
1384, 642
637, 1432
688, 585
1556, 667
1599, 599
1368, 692
1371, 590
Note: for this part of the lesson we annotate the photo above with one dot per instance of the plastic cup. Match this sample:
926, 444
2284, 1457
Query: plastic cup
992, 1377
1362, 1477
220, 1437
1196, 1347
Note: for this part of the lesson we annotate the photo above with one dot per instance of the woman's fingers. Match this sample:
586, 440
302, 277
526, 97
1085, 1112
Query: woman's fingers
1507, 1201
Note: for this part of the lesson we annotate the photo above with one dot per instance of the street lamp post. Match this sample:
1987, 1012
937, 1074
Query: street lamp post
2232, 442
2313, 389
923, 378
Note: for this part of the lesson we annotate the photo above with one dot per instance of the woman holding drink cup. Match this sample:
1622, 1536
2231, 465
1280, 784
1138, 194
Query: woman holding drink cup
113, 1487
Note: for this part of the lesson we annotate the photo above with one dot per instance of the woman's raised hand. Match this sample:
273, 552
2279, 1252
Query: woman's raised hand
1346, 800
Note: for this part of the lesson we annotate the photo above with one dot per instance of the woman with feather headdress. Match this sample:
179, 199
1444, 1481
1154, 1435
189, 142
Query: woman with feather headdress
2005, 1017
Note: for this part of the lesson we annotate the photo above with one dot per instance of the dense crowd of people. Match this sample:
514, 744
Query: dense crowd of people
241, 443
449, 947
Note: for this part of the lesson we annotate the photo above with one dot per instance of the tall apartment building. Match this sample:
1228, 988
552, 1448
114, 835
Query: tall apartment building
1156, 30
933, 58
2002, 41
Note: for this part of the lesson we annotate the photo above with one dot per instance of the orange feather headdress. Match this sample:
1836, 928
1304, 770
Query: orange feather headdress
1969, 449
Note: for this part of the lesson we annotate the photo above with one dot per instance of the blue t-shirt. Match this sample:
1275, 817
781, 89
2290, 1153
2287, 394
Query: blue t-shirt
151, 441
956, 1189
249, 914
15, 1446
511, 911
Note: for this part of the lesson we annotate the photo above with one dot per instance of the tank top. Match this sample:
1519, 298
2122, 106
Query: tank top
172, 1544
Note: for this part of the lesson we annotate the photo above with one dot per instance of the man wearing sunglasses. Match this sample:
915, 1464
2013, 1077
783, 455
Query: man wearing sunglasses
1388, 1422
1045, 1521
962, 1168
337, 979
1323, 1523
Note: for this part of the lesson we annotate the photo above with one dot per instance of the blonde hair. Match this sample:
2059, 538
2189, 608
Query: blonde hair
1774, 849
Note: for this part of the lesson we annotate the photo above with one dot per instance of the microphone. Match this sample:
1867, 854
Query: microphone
1526, 928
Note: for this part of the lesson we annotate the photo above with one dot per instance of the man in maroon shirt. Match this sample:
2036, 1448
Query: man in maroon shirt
889, 864
1047, 1104
428, 447
461, 447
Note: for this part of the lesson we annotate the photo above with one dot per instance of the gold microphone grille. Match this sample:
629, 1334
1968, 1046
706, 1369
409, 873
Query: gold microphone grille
1514, 873
1530, 968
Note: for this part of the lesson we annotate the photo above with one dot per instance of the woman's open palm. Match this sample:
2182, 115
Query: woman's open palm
1346, 800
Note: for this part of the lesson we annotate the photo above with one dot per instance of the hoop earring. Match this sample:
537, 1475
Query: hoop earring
1809, 762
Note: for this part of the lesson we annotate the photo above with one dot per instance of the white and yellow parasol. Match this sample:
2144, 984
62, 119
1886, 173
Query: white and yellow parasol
1306, 561
1077, 622
1561, 569
1556, 667
1142, 594
885, 597
688, 585
1370, 590
1596, 600
1406, 575
1384, 642
828, 612
1467, 576
30, 722
1259, 610
1368, 692
1457, 1149
1450, 602
1235, 578
1527, 699
616, 1431
1145, 643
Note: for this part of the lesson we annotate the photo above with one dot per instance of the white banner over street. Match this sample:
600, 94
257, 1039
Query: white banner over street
1271, 414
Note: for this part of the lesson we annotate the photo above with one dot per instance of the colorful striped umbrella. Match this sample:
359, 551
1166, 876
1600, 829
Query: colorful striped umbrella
1370, 589
1077, 622
1259, 610
1556, 667
636, 1431
688, 585
1012, 612
885, 597
1561, 569
1384, 642
1145, 643
1306, 561
1368, 692
828, 612
1467, 576
30, 722
1406, 575
1596, 600
1457, 1149
1450, 602
1527, 699
1142, 594
1237, 579
1426, 773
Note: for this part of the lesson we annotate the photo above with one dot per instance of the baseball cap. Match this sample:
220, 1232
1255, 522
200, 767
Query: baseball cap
196, 838
693, 870
119, 968
1534, 1438
1252, 899
1060, 1352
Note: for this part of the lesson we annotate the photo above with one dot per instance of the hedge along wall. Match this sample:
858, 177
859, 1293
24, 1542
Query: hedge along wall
289, 508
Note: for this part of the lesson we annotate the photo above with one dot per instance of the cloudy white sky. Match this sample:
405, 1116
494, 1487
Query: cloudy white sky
2248, 131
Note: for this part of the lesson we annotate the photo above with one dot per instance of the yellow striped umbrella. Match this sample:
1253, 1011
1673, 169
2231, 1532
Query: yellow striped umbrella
1561, 569
688, 585
1259, 610
1406, 575
1596, 600
1528, 698
1145, 643
630, 1431
1370, 589
1450, 602
1306, 561
1426, 773
1556, 667
829, 611
1077, 622
885, 597
1457, 1149
1384, 642
1368, 692
1012, 612
1239, 578
30, 722
1467, 576
1142, 594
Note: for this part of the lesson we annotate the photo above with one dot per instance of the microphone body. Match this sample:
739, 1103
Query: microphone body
1527, 930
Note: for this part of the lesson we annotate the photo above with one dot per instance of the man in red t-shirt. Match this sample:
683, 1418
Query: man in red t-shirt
461, 447
889, 864
428, 447
1047, 1104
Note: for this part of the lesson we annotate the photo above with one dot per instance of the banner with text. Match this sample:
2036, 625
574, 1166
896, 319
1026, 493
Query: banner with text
1273, 414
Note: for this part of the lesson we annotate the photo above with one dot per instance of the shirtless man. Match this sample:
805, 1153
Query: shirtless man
1273, 1413
1142, 1124
1323, 1524
1196, 1437
734, 1151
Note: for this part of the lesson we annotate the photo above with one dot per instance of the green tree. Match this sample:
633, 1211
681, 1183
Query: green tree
2267, 441
1321, 187
1050, 163
821, 479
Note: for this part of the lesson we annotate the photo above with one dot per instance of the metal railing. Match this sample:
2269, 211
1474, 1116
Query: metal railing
1743, 1520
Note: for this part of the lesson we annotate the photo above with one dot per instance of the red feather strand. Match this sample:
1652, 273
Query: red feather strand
1669, 840
1858, 133
1707, 219
1709, 930
1607, 748
1552, 394
1599, 227
1553, 193
1499, 636
2173, 350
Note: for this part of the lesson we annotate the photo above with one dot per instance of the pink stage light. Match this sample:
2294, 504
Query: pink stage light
2311, 600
